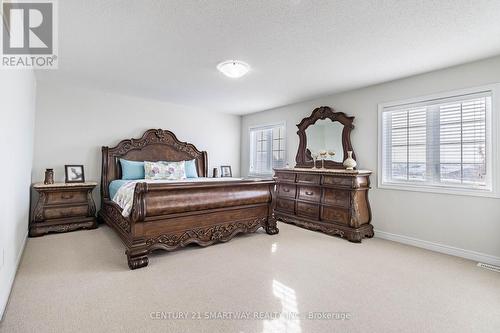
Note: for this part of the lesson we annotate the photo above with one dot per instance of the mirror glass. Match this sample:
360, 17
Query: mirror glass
324, 140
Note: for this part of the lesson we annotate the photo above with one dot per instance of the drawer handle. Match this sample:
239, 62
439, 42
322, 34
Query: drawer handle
309, 193
286, 190
67, 196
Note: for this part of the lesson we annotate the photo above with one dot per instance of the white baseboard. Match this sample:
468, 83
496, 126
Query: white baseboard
454, 251
13, 276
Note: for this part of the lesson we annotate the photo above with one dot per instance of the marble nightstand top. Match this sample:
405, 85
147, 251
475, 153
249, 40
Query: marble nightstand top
42, 185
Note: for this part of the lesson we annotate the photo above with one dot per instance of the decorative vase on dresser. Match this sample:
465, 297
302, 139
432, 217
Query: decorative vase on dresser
350, 163
63, 207
332, 199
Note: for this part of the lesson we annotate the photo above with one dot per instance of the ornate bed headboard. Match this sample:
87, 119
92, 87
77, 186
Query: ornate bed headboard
154, 145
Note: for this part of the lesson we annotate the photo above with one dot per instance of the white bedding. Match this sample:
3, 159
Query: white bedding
125, 194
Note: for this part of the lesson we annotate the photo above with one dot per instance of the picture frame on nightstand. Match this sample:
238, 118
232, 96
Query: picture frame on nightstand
225, 171
74, 174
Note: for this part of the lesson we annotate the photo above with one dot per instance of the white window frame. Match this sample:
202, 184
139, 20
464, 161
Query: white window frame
492, 145
262, 127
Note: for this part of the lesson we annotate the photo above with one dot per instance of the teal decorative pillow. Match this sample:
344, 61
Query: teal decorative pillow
132, 169
165, 170
191, 171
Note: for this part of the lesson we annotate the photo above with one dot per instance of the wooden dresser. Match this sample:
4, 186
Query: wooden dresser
63, 207
333, 201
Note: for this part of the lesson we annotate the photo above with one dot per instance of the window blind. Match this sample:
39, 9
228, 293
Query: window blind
441, 142
267, 149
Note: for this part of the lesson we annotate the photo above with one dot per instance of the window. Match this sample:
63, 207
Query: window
267, 149
442, 144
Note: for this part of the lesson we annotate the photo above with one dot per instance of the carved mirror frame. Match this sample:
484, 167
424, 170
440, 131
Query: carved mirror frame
303, 158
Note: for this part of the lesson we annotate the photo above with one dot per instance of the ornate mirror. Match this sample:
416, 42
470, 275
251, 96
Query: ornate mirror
325, 135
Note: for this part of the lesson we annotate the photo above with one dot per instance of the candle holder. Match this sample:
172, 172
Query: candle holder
322, 155
314, 157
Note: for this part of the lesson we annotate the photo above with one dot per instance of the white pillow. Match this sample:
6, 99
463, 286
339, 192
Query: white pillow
165, 170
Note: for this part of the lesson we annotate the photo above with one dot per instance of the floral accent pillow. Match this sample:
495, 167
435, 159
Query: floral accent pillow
165, 170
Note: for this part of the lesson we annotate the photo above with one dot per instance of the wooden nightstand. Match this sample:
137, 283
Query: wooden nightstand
63, 207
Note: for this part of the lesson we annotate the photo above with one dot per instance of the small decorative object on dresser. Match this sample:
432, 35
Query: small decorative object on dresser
63, 207
349, 162
74, 174
225, 171
49, 177
331, 200
314, 157
215, 173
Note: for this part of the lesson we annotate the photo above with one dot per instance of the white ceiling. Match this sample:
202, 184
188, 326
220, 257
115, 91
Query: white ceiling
297, 49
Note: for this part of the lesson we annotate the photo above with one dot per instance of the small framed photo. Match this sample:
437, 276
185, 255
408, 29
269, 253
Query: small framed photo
225, 171
74, 174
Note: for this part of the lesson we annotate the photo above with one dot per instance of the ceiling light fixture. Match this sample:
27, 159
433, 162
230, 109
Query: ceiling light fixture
233, 68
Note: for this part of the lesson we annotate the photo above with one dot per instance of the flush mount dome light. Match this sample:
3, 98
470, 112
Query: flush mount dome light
233, 68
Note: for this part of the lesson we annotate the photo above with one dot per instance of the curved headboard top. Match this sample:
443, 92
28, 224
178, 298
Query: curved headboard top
154, 145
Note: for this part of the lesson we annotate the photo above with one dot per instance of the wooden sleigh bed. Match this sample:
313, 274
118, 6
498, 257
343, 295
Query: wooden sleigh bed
168, 216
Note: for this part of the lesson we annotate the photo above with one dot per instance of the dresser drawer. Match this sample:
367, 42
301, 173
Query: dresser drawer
63, 212
336, 197
286, 205
66, 197
331, 214
286, 190
308, 210
308, 178
310, 193
285, 176
337, 180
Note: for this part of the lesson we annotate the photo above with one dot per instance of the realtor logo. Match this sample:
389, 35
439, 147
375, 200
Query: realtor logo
29, 34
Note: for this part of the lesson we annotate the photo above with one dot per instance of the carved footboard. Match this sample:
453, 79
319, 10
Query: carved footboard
170, 216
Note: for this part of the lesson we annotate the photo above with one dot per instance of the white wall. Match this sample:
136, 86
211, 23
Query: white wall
469, 223
17, 115
72, 123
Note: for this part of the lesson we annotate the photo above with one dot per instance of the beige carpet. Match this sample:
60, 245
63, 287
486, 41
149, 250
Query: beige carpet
80, 282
